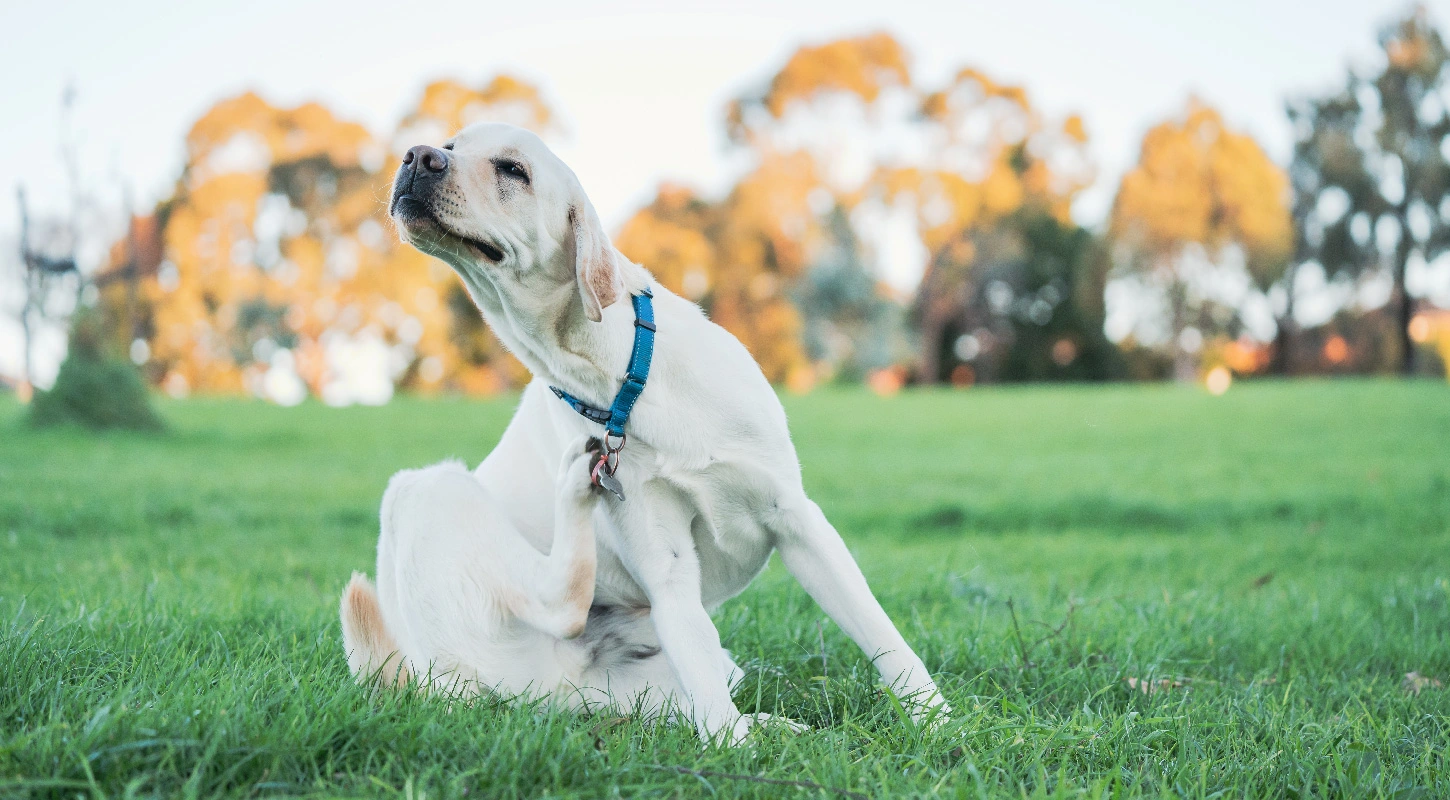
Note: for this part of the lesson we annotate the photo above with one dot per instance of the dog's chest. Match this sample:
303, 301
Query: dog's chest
725, 531
731, 555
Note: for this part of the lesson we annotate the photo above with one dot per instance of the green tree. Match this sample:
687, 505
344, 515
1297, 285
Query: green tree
95, 388
1020, 300
848, 325
1370, 175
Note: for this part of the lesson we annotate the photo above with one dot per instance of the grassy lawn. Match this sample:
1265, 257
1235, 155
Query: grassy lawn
1268, 564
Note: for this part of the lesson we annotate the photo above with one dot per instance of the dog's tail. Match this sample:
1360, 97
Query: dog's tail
371, 650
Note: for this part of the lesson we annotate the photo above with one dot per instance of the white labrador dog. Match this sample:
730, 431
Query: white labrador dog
711, 478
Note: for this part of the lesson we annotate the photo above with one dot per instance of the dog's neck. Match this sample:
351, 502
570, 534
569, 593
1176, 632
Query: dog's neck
546, 329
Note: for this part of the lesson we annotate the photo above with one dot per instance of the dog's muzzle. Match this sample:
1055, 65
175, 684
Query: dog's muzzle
423, 170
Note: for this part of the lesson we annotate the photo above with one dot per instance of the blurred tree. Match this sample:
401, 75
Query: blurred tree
1431, 327
768, 231
447, 106
265, 220
994, 154
1371, 179
95, 388
673, 237
273, 245
995, 157
47, 260
862, 68
850, 328
824, 135
1028, 307
729, 257
122, 311
278, 251
49, 266
1199, 186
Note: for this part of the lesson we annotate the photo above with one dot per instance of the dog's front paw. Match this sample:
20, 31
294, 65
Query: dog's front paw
932, 713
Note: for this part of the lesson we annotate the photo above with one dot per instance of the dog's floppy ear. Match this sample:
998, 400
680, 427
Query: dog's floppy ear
594, 265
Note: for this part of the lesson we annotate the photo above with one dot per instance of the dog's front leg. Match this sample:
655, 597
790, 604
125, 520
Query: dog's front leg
655, 545
815, 554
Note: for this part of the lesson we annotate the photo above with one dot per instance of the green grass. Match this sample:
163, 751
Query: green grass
168, 605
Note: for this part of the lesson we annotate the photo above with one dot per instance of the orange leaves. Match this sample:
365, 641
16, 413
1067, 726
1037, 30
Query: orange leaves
994, 154
669, 236
732, 256
247, 134
985, 151
826, 137
1196, 182
770, 212
448, 106
1165, 202
1413, 46
862, 66
281, 247
1002, 193
972, 87
1253, 204
728, 256
1432, 327
1200, 192
1073, 127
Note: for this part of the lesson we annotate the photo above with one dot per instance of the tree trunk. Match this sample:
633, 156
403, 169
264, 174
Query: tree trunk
1185, 366
133, 276
931, 344
1404, 306
27, 275
1281, 362
26, 370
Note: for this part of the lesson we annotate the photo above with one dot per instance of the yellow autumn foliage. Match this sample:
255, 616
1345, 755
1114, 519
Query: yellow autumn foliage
734, 258
996, 154
277, 235
1199, 183
991, 153
278, 238
448, 106
863, 66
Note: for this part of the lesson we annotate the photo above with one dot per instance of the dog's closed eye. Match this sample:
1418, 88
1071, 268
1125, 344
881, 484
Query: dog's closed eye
511, 169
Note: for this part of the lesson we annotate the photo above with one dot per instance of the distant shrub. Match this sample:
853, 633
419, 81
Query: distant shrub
94, 389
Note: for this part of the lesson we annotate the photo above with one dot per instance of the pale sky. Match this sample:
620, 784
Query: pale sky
642, 85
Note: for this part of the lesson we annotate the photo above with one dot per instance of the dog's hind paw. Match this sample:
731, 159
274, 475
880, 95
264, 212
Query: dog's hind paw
772, 721
739, 734
575, 478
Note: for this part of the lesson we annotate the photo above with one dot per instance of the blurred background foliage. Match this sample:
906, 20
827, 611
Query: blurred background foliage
272, 268
95, 389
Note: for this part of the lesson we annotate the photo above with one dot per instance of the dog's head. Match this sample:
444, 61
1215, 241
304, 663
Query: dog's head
498, 206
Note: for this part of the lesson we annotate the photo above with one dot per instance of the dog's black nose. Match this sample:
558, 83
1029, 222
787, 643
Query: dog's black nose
429, 158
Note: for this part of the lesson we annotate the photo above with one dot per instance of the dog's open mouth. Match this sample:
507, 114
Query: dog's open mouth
409, 210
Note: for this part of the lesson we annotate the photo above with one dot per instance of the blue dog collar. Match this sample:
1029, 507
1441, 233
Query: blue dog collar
614, 418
